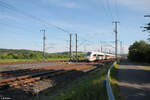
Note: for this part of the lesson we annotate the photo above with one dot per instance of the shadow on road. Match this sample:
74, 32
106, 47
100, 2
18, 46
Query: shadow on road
134, 82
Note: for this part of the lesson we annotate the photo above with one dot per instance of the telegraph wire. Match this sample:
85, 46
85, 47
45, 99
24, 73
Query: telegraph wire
108, 7
12, 8
116, 9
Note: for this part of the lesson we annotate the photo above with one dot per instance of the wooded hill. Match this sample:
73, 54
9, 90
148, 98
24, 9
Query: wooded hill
30, 54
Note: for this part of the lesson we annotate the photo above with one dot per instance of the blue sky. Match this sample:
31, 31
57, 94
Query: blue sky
22, 20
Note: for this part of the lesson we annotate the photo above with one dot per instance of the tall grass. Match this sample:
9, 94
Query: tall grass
114, 82
91, 88
30, 60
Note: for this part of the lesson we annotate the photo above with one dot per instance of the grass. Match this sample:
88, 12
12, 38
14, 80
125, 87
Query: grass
90, 87
146, 68
17, 60
114, 82
30, 60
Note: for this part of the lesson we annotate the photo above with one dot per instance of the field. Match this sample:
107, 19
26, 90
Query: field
30, 60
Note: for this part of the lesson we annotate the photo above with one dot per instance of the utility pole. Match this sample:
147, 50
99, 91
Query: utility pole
84, 48
70, 48
120, 48
116, 40
76, 47
44, 38
105, 50
109, 51
101, 48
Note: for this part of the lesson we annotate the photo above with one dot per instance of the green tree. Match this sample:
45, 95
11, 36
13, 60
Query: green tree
147, 27
10, 55
139, 51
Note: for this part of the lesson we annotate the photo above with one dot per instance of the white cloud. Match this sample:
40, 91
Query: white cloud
69, 5
3, 16
63, 3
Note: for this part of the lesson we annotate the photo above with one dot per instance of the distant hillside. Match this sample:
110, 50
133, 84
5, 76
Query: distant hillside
17, 51
31, 54
19, 54
66, 52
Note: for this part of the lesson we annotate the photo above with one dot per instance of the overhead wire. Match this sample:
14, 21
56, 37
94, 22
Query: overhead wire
20, 12
116, 9
109, 9
12, 8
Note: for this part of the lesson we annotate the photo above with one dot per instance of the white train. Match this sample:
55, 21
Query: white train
94, 56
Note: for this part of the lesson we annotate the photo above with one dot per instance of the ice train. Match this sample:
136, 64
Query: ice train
95, 56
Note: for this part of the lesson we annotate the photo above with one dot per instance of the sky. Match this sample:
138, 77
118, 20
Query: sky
22, 20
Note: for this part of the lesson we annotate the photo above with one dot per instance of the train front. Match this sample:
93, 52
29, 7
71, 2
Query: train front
87, 56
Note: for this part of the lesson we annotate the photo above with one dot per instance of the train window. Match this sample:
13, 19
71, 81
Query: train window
88, 54
100, 55
94, 55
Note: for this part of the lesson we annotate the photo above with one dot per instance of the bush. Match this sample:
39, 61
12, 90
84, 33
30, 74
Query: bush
139, 51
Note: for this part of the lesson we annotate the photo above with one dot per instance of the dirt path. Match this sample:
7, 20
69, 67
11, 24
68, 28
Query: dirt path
134, 81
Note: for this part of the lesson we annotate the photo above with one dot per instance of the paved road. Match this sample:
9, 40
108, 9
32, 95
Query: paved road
134, 81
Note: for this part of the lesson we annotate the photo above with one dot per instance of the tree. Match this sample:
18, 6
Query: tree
139, 51
147, 28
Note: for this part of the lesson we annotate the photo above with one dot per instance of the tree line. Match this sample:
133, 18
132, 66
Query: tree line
139, 51
29, 54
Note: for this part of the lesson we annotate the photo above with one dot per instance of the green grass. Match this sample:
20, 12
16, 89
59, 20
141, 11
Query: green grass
18, 60
30, 60
91, 87
144, 66
114, 82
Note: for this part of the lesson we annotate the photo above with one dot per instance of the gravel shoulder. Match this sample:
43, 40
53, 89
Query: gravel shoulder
134, 81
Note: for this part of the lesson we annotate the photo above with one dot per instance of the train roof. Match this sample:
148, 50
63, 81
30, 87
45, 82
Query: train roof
109, 54
97, 52
93, 52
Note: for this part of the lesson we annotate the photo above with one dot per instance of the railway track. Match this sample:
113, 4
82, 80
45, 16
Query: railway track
33, 62
25, 77
21, 84
35, 70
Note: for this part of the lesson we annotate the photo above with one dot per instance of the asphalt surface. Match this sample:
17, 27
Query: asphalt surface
134, 81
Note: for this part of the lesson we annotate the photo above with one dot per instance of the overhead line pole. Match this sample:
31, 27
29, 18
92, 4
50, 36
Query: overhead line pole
44, 38
101, 46
116, 40
70, 48
120, 48
76, 47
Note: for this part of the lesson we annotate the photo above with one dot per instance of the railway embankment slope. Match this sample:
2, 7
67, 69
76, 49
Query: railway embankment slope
134, 81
